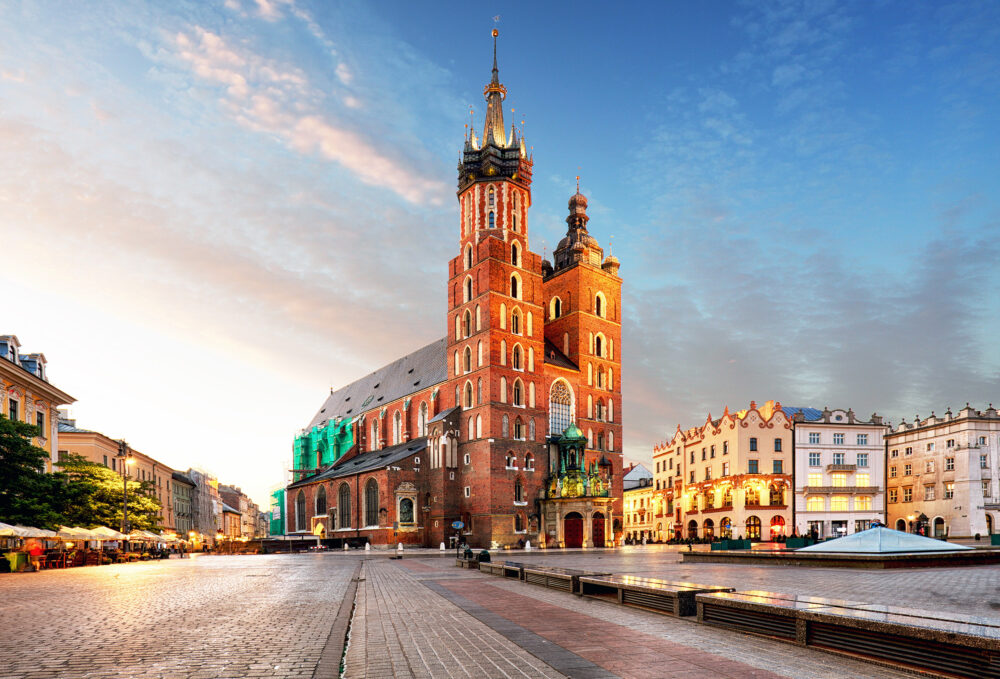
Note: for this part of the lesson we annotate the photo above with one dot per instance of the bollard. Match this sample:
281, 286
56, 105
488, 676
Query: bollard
527, 546
441, 547
399, 547
345, 546
368, 546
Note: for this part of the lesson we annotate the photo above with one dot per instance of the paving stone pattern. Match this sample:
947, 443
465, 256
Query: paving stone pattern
403, 629
197, 618
634, 643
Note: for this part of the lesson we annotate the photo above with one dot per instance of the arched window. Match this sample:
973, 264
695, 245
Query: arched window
530, 325
515, 287
371, 503
492, 197
503, 316
529, 459
611, 410
479, 352
503, 352
468, 288
503, 390
458, 327
518, 429
518, 393
518, 492
515, 254
560, 408
397, 428
555, 308
518, 522
776, 495
479, 319
566, 343
590, 406
468, 394
599, 410
479, 391
600, 305
598, 345
458, 365
505, 427
611, 379
321, 501
468, 323
300, 511
600, 378
470, 430
531, 434
406, 511
531, 359
479, 426
753, 527
751, 496
422, 422
374, 445
467, 364
515, 360
468, 256
344, 506
515, 322
493, 219
531, 394
611, 441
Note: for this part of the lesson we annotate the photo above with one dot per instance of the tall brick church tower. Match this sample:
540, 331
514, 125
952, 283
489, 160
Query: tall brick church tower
495, 332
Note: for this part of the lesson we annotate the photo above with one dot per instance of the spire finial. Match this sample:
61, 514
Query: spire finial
495, 34
578, 183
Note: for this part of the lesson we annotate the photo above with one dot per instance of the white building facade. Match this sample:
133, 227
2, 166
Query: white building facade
839, 472
942, 474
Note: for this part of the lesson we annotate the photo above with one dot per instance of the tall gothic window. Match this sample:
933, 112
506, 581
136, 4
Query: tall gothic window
397, 428
374, 445
300, 511
321, 501
492, 197
531, 429
505, 427
479, 391
468, 394
371, 503
518, 393
468, 257
468, 359
515, 322
422, 419
515, 250
560, 408
493, 219
515, 360
344, 506
514, 287
468, 323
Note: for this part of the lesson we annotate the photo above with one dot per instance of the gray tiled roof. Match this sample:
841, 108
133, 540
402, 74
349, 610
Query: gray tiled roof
553, 356
65, 428
425, 367
375, 459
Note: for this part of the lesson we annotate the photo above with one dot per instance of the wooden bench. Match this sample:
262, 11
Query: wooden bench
947, 643
512, 569
674, 598
565, 579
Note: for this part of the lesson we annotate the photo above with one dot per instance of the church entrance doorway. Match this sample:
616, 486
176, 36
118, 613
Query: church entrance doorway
598, 529
573, 529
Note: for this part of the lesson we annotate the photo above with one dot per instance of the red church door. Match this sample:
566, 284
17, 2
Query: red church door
573, 530
598, 529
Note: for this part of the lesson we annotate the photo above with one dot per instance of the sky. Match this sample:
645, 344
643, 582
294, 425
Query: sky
212, 213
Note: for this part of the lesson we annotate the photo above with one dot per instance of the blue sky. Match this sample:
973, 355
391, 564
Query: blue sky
211, 213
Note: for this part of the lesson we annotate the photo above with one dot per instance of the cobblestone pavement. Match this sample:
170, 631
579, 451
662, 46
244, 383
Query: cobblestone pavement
403, 629
197, 618
972, 590
627, 642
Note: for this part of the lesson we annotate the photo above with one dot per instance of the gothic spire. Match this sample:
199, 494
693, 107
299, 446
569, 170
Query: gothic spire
493, 132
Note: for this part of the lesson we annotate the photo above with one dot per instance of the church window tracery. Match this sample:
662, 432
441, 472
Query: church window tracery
560, 408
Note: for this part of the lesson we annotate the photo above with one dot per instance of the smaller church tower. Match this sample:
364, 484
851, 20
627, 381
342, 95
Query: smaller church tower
582, 292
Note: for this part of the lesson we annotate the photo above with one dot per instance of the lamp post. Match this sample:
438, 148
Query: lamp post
125, 458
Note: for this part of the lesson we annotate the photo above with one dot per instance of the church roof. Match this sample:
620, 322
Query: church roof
553, 356
423, 368
365, 462
882, 540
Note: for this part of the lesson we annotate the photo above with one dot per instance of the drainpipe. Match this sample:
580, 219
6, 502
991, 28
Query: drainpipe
357, 505
795, 491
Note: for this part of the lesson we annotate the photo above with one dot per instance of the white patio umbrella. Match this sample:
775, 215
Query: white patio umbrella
29, 532
109, 533
8, 531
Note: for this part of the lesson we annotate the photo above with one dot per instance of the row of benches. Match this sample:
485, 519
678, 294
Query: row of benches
947, 644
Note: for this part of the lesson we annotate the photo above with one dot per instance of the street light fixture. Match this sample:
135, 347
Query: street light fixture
125, 458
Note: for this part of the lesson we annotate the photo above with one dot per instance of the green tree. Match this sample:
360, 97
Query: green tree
94, 496
27, 494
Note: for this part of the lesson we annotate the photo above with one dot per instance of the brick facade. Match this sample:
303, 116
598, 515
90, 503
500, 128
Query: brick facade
486, 458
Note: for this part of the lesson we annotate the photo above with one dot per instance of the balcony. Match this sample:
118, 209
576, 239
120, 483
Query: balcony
826, 490
760, 506
841, 467
709, 510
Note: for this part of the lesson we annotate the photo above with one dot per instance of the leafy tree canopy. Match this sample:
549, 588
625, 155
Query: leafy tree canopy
95, 493
28, 495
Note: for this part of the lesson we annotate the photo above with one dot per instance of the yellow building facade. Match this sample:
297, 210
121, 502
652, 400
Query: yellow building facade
729, 477
102, 449
638, 513
27, 396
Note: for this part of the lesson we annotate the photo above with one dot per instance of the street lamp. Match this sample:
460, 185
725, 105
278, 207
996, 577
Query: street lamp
125, 458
